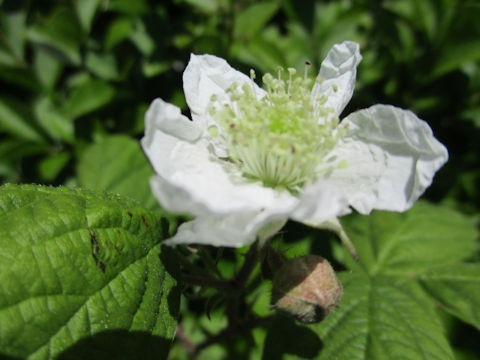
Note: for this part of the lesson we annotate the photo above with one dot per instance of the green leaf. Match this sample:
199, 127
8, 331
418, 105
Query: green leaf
409, 243
262, 53
87, 97
52, 121
60, 34
52, 165
457, 55
129, 7
142, 39
13, 27
117, 164
75, 267
151, 69
20, 76
13, 122
6, 58
333, 23
253, 18
206, 6
102, 65
65, 51
47, 68
118, 31
86, 10
14, 149
383, 318
457, 288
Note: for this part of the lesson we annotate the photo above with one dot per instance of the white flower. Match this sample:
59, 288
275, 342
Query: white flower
253, 158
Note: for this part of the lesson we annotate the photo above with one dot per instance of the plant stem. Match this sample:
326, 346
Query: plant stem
231, 331
207, 281
189, 345
234, 290
251, 258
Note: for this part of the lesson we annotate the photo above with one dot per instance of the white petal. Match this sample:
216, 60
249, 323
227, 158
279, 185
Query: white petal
168, 118
206, 75
175, 199
233, 230
391, 158
339, 69
318, 203
187, 169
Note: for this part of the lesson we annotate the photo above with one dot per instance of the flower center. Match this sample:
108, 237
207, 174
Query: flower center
280, 138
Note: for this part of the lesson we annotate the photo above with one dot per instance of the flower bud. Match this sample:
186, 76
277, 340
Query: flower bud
306, 288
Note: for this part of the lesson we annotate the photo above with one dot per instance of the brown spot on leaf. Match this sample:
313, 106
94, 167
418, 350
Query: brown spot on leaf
96, 250
117, 250
145, 221
101, 266
129, 214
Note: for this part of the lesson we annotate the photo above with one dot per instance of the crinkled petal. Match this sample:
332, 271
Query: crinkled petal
228, 213
191, 167
233, 230
391, 157
207, 75
187, 169
338, 72
162, 116
320, 202
174, 198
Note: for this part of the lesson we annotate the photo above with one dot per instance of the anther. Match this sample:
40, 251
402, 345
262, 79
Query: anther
279, 71
308, 65
291, 74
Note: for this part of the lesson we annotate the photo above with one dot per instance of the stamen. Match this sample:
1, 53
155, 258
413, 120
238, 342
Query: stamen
308, 65
252, 80
279, 138
279, 72
291, 73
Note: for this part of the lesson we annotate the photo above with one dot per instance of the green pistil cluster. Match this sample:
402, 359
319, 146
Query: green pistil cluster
279, 138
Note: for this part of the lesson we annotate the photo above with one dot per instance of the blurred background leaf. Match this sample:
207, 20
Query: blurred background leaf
117, 164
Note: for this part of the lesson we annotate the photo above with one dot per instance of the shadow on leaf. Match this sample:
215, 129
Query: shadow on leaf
7, 357
285, 336
119, 345
170, 262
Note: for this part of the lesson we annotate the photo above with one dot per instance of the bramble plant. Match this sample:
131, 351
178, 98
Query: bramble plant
204, 223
